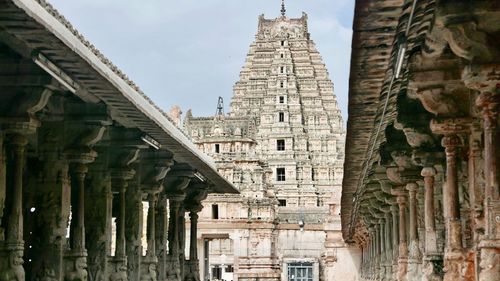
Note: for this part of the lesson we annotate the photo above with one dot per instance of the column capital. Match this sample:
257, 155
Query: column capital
428, 172
451, 126
412, 187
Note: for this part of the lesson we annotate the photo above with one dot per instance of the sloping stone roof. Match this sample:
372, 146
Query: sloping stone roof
38, 27
374, 27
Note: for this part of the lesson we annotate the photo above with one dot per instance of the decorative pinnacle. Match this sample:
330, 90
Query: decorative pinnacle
283, 10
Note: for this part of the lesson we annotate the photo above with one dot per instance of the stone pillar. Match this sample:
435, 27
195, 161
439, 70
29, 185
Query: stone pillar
76, 258
453, 257
119, 261
98, 221
133, 233
151, 223
150, 261
388, 246
174, 273
3, 186
161, 237
395, 240
382, 248
432, 262
182, 238
13, 247
403, 247
414, 261
489, 246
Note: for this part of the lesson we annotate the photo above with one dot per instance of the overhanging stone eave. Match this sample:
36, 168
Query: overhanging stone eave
158, 124
364, 123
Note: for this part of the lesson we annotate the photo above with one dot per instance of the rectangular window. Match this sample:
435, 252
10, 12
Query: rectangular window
282, 99
280, 174
300, 272
281, 117
282, 43
230, 268
217, 148
216, 273
282, 84
282, 55
215, 211
282, 69
280, 145
282, 202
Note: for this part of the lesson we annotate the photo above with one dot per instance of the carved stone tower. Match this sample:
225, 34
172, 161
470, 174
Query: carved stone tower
282, 145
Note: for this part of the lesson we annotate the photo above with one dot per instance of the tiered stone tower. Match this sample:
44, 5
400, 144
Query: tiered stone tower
282, 145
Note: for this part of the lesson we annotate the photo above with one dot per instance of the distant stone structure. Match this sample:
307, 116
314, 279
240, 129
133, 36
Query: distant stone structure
282, 145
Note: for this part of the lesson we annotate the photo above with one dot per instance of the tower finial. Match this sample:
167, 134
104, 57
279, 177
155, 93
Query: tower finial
283, 10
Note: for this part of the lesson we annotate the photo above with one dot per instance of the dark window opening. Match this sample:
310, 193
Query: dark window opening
281, 117
282, 84
230, 268
282, 55
217, 148
280, 174
282, 99
215, 211
312, 174
216, 273
280, 145
282, 69
282, 202
282, 43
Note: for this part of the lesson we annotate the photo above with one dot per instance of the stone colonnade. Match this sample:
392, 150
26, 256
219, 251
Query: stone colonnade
437, 182
67, 175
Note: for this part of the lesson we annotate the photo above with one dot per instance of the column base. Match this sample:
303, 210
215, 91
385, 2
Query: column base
148, 268
173, 268
76, 265
402, 269
192, 270
118, 267
490, 260
432, 267
13, 269
458, 267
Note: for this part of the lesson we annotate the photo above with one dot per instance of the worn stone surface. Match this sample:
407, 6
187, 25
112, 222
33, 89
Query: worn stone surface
435, 132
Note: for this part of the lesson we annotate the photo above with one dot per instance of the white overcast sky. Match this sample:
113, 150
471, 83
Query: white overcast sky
190, 52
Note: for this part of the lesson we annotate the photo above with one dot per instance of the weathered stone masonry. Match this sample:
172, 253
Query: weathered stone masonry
423, 140
82, 149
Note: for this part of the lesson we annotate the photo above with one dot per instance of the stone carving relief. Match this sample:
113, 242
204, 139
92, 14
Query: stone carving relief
76, 270
14, 270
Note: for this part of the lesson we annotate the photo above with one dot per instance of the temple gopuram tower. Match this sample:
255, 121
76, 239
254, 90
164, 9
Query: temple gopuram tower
282, 145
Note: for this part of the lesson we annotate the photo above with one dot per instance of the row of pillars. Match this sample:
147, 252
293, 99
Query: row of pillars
394, 250
34, 244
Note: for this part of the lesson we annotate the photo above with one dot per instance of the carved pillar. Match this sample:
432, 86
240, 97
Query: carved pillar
151, 221
382, 248
3, 186
162, 237
51, 207
119, 261
173, 242
414, 251
403, 247
388, 246
433, 263
133, 233
489, 246
12, 250
453, 258
182, 238
395, 240
175, 185
98, 220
